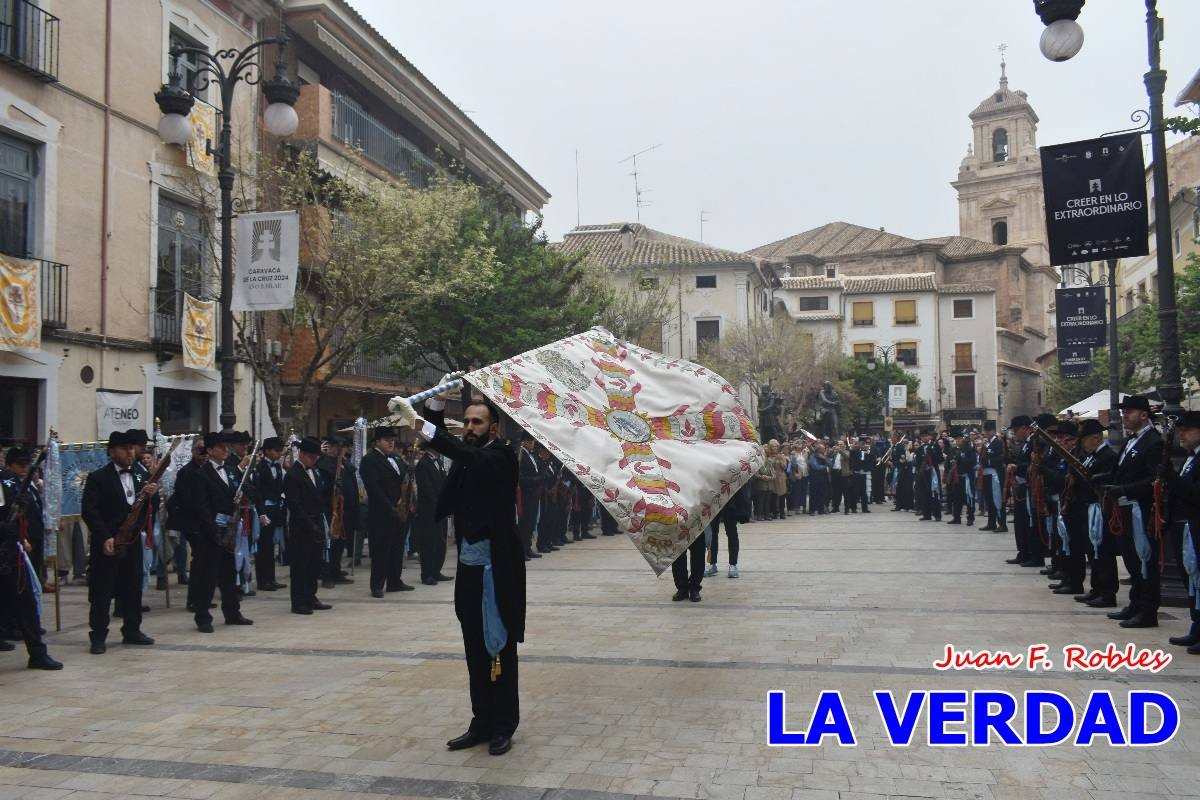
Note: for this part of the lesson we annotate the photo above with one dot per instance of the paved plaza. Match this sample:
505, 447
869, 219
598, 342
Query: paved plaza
623, 692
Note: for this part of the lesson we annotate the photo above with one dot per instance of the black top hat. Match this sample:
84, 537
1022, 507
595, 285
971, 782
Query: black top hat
385, 432
1046, 421
1021, 421
1066, 428
272, 443
136, 436
1135, 402
215, 439
1090, 427
310, 445
18, 455
989, 425
1188, 419
118, 439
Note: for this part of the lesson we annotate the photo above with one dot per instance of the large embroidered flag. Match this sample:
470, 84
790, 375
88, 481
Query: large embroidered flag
662, 443
199, 326
20, 316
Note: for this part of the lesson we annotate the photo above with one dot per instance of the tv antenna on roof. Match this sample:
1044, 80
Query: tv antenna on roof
703, 219
637, 187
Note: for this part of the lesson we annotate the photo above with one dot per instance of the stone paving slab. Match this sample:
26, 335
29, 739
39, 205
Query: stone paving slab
625, 694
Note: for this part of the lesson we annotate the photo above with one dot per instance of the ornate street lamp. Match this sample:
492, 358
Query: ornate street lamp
225, 69
1063, 46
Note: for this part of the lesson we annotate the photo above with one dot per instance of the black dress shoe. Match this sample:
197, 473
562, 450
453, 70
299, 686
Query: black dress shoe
531, 555
499, 745
587, 536
270, 587
1125, 613
468, 739
1194, 650
1033, 562
1068, 590
1001, 529
376, 593
1054, 587
541, 549
1102, 602
1017, 560
7, 647
429, 581
343, 579
279, 585
400, 586
1048, 572
1149, 620
319, 606
1185, 641
327, 584
680, 594
239, 620
1083, 598
137, 638
441, 577
98, 649
205, 628
987, 527
694, 595
954, 522
43, 662
306, 611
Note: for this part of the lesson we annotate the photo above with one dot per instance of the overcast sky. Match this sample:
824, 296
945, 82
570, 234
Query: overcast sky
774, 116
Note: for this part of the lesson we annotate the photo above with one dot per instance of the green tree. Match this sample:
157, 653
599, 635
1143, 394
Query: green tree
864, 389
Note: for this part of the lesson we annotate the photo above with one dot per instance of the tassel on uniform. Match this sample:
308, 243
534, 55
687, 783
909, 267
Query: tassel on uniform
495, 667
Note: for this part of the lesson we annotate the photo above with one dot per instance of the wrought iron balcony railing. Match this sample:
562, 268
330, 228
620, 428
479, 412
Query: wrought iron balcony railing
388, 149
54, 294
29, 39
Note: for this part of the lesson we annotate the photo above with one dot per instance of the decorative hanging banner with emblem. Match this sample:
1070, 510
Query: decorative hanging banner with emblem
1080, 317
662, 443
199, 333
1095, 194
1074, 362
20, 312
268, 256
203, 120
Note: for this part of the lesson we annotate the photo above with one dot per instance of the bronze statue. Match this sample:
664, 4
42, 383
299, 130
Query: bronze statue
829, 406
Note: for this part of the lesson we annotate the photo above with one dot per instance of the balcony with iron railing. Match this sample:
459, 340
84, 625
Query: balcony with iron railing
29, 39
54, 294
168, 317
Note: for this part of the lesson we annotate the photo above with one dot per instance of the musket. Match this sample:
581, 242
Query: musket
337, 525
1160, 488
1073, 463
19, 501
229, 536
887, 457
129, 531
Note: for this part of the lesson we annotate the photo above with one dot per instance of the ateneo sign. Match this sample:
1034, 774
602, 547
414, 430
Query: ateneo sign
1096, 206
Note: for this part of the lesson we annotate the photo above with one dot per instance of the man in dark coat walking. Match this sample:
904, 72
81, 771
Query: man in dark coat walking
489, 595
383, 474
307, 526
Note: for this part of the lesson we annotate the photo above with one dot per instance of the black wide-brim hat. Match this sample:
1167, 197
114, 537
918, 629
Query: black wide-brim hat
1189, 419
385, 432
310, 445
1135, 402
1090, 427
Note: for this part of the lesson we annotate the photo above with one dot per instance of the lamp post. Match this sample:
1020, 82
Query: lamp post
885, 352
1061, 40
1000, 401
225, 69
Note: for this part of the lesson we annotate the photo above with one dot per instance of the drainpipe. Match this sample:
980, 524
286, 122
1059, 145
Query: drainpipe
104, 186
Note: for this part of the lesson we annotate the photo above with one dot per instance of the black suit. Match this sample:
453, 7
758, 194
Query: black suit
202, 495
429, 530
17, 602
1133, 478
993, 483
306, 533
34, 524
859, 469
532, 487
965, 461
385, 531
481, 494
268, 486
105, 505
1183, 493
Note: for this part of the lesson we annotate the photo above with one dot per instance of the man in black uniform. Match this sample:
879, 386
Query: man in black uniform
552, 520
1183, 496
207, 497
331, 559
19, 505
878, 470
1070, 537
1046, 522
481, 493
1029, 549
109, 494
531, 485
382, 475
966, 461
580, 500
19, 462
930, 459
1099, 459
860, 467
995, 462
1132, 489
307, 526
268, 487
429, 530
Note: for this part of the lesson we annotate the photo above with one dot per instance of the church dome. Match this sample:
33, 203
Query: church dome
1003, 101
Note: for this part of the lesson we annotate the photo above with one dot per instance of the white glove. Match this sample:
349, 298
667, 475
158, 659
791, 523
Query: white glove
438, 402
403, 409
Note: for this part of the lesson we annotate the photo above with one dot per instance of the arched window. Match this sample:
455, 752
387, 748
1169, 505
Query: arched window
1000, 232
999, 145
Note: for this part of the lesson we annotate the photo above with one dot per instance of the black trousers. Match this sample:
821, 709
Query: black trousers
581, 518
528, 518
1145, 590
1074, 563
837, 489
1022, 527
118, 577
731, 533
608, 523
387, 553
303, 564
996, 516
212, 567
552, 524
495, 705
431, 539
264, 559
931, 504
20, 608
857, 494
878, 483
679, 567
818, 492
958, 500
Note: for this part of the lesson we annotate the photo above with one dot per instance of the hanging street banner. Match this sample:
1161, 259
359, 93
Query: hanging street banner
199, 333
1081, 320
897, 395
1095, 194
201, 157
20, 312
268, 255
1075, 362
662, 443
118, 411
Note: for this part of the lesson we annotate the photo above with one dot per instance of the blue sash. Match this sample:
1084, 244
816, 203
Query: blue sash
1141, 541
1095, 527
495, 635
968, 490
34, 583
935, 484
1190, 564
995, 484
